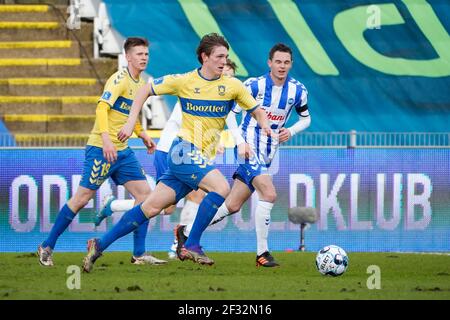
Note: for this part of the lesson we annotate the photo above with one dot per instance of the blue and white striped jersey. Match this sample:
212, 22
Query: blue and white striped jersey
278, 102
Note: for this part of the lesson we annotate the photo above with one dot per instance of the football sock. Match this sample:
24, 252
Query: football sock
131, 220
63, 220
206, 211
262, 223
139, 239
222, 212
122, 205
188, 213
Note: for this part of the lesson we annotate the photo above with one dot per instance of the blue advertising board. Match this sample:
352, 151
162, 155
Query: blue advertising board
366, 200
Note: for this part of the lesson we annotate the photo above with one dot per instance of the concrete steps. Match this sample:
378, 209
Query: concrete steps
41, 49
14, 31
48, 87
51, 139
70, 105
28, 13
44, 123
105, 67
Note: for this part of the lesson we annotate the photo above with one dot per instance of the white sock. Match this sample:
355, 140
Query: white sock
262, 224
221, 213
122, 205
188, 212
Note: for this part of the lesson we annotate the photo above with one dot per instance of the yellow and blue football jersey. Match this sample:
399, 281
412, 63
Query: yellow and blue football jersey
119, 93
205, 105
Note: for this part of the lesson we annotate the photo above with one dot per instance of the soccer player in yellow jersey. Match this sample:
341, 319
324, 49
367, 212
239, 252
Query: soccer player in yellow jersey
106, 156
193, 199
206, 98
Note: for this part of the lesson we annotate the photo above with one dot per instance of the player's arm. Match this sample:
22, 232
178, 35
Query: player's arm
244, 149
143, 93
164, 85
304, 118
101, 112
303, 122
114, 87
261, 117
174, 121
148, 142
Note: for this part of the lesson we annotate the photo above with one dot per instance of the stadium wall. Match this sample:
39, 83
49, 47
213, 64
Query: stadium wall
367, 199
382, 66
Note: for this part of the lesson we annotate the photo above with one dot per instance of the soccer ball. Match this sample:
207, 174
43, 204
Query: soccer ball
332, 260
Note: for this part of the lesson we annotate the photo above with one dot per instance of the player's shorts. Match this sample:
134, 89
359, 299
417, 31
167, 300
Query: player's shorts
186, 168
248, 170
96, 168
160, 163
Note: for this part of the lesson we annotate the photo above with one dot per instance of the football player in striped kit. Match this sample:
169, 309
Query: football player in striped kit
278, 95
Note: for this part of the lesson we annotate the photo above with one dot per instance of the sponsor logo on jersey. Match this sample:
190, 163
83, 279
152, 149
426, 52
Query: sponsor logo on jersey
275, 117
207, 108
158, 80
106, 95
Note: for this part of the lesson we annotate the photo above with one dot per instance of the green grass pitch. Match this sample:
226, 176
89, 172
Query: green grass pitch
234, 276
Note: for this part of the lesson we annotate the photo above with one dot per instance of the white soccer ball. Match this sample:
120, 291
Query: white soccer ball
332, 260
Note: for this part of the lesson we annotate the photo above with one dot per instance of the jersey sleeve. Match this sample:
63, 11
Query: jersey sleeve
236, 108
169, 84
244, 99
301, 106
114, 87
176, 115
304, 96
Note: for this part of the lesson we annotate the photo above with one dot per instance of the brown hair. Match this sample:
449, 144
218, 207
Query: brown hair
134, 42
208, 43
279, 47
231, 64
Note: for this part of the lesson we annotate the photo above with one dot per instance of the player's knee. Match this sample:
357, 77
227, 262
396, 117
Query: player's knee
196, 196
233, 207
223, 189
149, 209
170, 209
269, 195
78, 202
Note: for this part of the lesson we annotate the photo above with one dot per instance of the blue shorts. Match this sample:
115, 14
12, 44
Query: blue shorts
96, 169
186, 168
160, 163
248, 170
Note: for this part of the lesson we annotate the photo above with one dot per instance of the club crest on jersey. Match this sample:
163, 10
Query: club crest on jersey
291, 101
221, 90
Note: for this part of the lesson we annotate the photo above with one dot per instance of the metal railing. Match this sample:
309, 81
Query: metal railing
355, 139
352, 139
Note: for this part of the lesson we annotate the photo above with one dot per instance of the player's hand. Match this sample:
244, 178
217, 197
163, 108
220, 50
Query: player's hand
149, 143
125, 132
109, 152
268, 132
284, 135
245, 151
